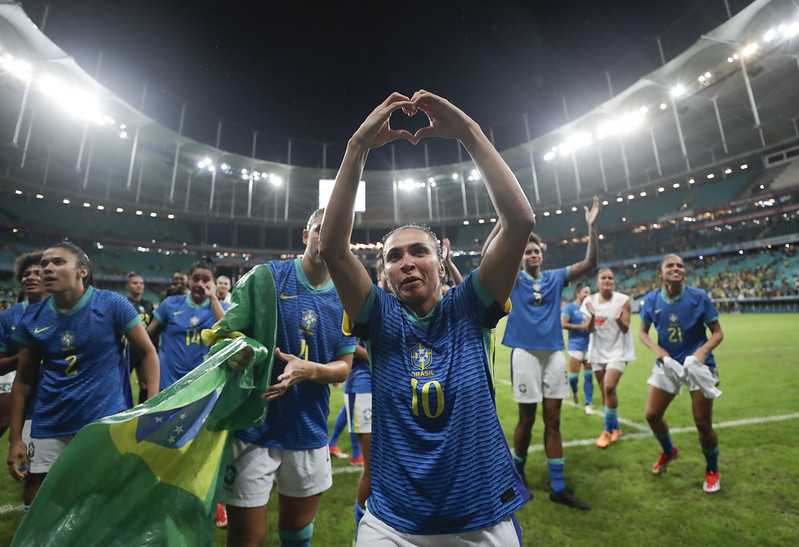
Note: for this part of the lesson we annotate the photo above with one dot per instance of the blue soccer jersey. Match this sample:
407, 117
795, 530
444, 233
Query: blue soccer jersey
534, 319
439, 460
84, 373
578, 339
9, 318
360, 377
309, 326
182, 348
680, 324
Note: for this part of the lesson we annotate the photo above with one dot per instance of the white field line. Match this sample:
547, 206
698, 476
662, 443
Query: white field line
733, 423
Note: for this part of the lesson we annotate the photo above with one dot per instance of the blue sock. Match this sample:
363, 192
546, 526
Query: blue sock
356, 446
574, 380
712, 458
588, 386
665, 443
556, 473
611, 419
338, 427
25, 509
296, 538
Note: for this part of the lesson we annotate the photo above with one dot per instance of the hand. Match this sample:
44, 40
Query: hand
376, 130
590, 307
17, 459
618, 315
210, 289
590, 216
445, 249
296, 371
700, 355
446, 120
661, 354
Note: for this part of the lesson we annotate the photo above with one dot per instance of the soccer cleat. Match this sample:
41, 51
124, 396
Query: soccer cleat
589, 409
221, 516
566, 497
604, 439
336, 451
663, 461
357, 461
615, 434
575, 398
712, 481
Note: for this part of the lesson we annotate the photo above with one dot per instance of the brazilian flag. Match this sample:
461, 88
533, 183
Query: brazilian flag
148, 476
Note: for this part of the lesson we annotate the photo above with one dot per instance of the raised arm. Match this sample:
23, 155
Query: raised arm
587, 264
351, 279
501, 259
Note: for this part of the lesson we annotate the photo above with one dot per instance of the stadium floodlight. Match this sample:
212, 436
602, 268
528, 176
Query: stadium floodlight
275, 180
455, 176
475, 174
493, 220
690, 181
558, 212
549, 156
65, 201
87, 204
663, 106
642, 194
153, 214
120, 210
18, 192
101, 207
170, 216
139, 213
39, 196
727, 171
744, 166
481, 221
16, 67
465, 222
574, 209
678, 91
546, 213
711, 176
631, 197
619, 199
675, 185
749, 49
605, 202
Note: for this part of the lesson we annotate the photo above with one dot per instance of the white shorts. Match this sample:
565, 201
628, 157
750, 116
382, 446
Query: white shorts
538, 375
248, 471
42, 453
579, 355
659, 380
616, 365
373, 532
359, 412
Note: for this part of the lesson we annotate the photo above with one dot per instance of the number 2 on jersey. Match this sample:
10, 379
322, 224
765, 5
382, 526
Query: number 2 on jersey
72, 368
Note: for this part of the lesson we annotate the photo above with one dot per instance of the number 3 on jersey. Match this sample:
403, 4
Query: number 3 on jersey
425, 397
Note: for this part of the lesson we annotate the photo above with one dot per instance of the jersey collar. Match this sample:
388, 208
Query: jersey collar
304, 278
87, 294
665, 297
191, 304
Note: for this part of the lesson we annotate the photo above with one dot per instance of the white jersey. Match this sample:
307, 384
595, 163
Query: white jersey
608, 343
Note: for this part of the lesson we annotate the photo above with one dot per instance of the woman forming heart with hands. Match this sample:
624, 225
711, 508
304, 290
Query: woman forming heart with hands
432, 395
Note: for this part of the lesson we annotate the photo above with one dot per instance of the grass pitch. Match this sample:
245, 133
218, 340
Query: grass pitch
757, 420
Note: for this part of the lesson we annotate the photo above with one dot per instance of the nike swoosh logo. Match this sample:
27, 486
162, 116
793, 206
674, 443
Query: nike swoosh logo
176, 312
287, 297
38, 330
657, 311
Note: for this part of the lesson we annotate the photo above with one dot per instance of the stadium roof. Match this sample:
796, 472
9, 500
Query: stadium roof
721, 100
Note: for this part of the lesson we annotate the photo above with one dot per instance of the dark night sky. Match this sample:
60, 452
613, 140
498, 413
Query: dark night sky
314, 72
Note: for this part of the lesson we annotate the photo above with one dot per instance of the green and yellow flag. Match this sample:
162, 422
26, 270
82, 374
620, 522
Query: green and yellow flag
148, 476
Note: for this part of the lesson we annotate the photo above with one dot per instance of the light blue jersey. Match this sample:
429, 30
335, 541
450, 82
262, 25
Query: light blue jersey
534, 320
84, 373
680, 324
309, 326
578, 339
182, 348
439, 460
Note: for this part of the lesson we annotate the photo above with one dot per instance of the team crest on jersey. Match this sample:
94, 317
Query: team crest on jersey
422, 359
194, 321
673, 318
67, 338
309, 320
537, 287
